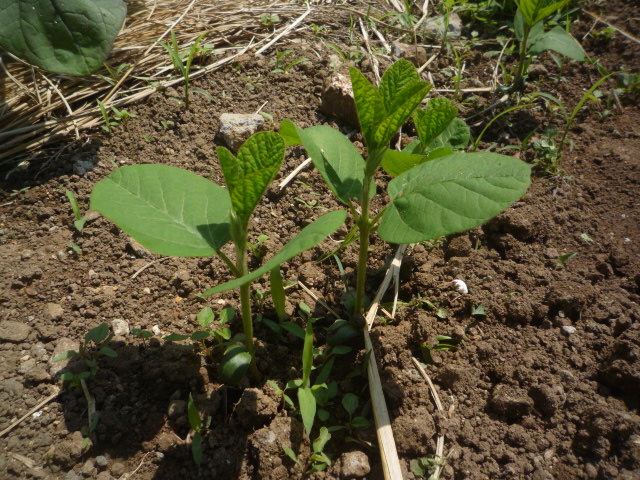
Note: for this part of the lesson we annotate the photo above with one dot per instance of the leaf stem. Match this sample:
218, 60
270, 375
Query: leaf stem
364, 224
245, 307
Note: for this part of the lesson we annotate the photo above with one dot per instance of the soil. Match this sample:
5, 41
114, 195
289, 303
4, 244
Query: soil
544, 385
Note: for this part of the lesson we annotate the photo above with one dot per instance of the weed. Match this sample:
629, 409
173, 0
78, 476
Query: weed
79, 219
182, 61
114, 73
280, 63
268, 19
113, 117
425, 467
566, 258
443, 343
197, 425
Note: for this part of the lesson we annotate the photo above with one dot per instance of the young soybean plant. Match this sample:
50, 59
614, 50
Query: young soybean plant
436, 197
174, 212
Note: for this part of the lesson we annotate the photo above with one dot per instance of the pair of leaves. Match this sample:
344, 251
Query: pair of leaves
451, 194
382, 111
534, 11
440, 133
72, 37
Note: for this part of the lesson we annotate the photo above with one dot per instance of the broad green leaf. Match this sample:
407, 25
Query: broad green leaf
323, 437
97, 334
310, 236
432, 121
397, 77
248, 175
200, 335
337, 160
451, 194
167, 210
558, 40
277, 292
307, 354
307, 408
350, 403
369, 105
395, 162
193, 415
234, 364
175, 337
73, 37
205, 317
455, 136
403, 105
289, 133
535, 10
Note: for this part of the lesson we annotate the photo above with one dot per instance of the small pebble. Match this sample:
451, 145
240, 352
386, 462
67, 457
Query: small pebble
568, 329
156, 330
460, 286
146, 290
101, 461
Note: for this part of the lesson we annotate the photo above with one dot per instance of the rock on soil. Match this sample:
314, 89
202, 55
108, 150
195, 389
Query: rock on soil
235, 128
15, 332
354, 465
337, 98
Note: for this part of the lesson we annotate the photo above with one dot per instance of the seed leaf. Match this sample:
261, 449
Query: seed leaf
337, 160
289, 133
310, 236
167, 210
323, 437
248, 175
234, 364
459, 192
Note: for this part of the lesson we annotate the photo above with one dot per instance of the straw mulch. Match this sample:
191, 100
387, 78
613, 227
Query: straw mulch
38, 109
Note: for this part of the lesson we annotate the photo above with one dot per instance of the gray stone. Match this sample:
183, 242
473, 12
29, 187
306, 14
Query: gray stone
354, 465
568, 330
53, 311
235, 128
101, 461
88, 469
62, 345
39, 351
434, 27
117, 469
71, 475
137, 249
15, 332
120, 327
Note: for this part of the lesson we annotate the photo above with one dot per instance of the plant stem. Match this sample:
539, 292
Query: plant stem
364, 224
245, 308
518, 83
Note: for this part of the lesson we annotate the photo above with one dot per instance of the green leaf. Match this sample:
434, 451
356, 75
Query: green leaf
535, 10
310, 236
234, 364
558, 40
193, 415
451, 194
403, 106
307, 408
307, 354
326, 370
74, 204
455, 137
167, 210
108, 352
64, 356
277, 292
323, 437
289, 133
337, 160
564, 259
395, 162
196, 448
290, 453
350, 403
73, 37
226, 315
205, 317
199, 335
97, 334
432, 121
369, 105
249, 175
397, 77
294, 329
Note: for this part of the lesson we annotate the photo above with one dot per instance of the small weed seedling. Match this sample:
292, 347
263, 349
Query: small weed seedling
174, 212
197, 426
114, 73
182, 61
443, 343
533, 39
425, 467
318, 460
79, 219
113, 118
280, 63
433, 194
93, 346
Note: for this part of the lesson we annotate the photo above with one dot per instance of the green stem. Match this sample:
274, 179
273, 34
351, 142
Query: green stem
245, 308
518, 83
364, 224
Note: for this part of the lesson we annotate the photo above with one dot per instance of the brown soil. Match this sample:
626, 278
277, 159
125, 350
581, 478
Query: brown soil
544, 385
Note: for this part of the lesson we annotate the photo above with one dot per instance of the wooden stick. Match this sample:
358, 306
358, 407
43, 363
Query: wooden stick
30, 412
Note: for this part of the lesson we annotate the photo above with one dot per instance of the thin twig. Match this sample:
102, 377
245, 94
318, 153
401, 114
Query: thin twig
610, 25
391, 271
157, 260
318, 299
285, 30
30, 412
374, 60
